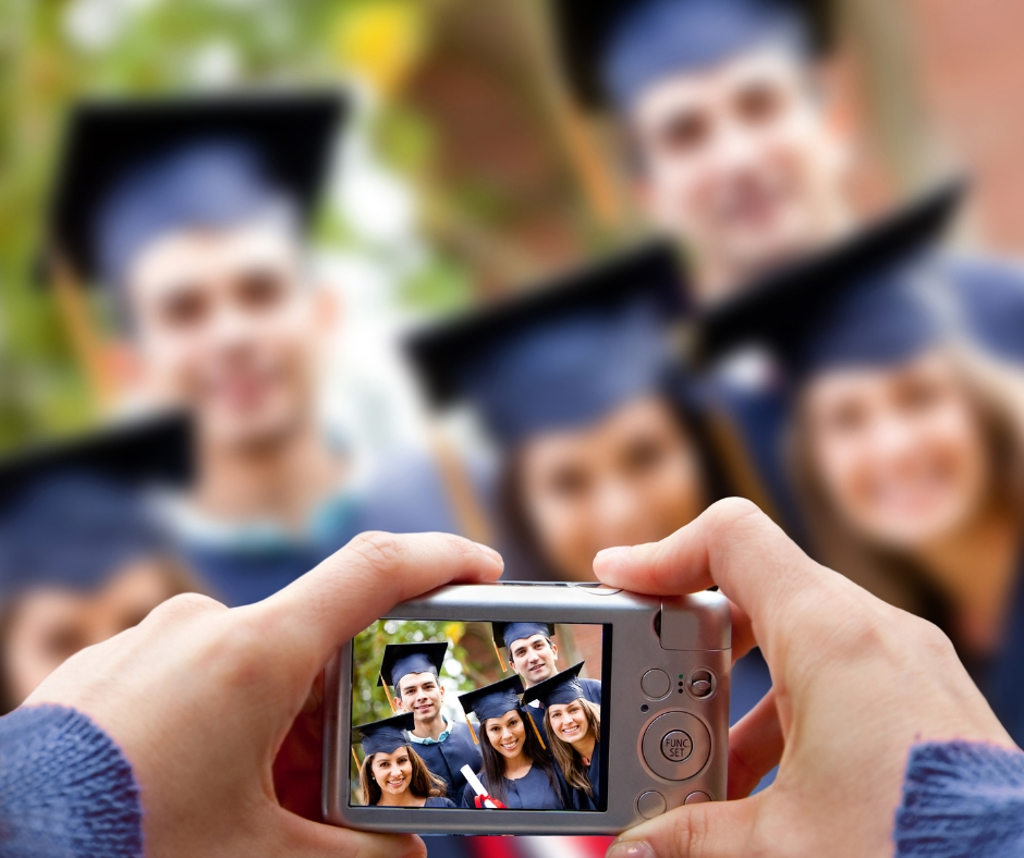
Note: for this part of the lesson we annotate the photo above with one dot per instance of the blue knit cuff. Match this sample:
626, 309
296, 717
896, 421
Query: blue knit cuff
66, 789
961, 799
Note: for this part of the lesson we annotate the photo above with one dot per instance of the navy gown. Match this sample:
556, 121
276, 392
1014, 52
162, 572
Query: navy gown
439, 801
578, 798
533, 791
446, 759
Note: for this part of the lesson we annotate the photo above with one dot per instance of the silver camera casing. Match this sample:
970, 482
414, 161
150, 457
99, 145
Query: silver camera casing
683, 640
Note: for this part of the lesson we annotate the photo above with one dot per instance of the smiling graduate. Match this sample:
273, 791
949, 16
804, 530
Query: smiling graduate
517, 768
413, 671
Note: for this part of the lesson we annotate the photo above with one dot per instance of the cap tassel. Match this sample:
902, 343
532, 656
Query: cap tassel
472, 732
497, 652
536, 732
355, 758
387, 694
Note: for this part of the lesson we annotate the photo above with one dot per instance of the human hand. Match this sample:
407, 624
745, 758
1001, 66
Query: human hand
856, 682
200, 698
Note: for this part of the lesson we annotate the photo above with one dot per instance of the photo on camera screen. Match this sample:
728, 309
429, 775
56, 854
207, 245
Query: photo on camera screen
480, 715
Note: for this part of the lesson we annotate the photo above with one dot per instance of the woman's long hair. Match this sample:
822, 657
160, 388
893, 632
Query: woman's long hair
567, 757
494, 762
424, 783
996, 395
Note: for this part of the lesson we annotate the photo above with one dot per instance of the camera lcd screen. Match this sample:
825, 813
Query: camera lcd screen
478, 715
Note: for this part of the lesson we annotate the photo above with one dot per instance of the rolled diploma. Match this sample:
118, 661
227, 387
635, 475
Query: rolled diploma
478, 787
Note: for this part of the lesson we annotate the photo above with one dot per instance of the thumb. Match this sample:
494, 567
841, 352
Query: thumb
707, 830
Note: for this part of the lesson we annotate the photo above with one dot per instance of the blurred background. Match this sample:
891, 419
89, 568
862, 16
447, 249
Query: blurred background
467, 172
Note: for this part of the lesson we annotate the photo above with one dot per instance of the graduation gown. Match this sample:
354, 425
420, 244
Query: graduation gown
250, 564
1000, 676
578, 798
446, 759
439, 801
533, 791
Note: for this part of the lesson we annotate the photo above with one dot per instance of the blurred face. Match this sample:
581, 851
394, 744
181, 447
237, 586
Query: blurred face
48, 626
507, 734
632, 477
568, 721
421, 694
534, 658
227, 326
900, 452
393, 772
738, 160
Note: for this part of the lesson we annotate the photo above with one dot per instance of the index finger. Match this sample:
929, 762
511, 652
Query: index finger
734, 545
353, 587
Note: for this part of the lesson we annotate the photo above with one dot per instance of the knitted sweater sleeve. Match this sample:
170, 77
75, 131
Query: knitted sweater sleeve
66, 789
961, 799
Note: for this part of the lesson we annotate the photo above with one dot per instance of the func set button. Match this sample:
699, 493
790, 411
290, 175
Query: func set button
676, 745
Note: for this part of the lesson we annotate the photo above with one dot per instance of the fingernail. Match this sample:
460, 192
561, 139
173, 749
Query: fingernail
630, 849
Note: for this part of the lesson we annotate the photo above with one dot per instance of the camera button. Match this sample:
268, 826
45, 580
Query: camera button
702, 684
677, 746
696, 797
656, 684
651, 804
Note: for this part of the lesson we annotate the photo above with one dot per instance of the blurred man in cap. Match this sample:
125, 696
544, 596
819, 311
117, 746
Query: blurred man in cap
738, 151
193, 215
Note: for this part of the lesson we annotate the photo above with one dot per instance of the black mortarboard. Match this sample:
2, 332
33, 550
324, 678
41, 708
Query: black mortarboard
505, 634
562, 355
872, 300
404, 658
133, 169
563, 687
611, 49
384, 736
494, 700
134, 454
73, 514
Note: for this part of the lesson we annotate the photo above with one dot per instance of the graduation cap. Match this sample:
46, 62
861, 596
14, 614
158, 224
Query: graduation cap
384, 736
869, 301
563, 687
505, 634
562, 355
134, 169
611, 49
405, 658
71, 515
494, 700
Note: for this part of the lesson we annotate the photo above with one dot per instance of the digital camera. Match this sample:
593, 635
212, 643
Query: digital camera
528, 708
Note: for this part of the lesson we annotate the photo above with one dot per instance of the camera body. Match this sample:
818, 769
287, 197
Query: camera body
664, 667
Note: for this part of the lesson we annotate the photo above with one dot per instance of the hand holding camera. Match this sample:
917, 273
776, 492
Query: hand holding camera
201, 698
856, 683
850, 695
